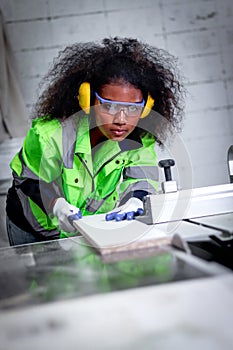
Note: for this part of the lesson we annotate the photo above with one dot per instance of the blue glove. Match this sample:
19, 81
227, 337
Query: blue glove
133, 207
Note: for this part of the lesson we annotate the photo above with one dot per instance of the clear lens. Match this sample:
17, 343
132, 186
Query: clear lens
114, 108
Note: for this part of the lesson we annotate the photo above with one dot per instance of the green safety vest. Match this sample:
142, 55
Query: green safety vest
59, 153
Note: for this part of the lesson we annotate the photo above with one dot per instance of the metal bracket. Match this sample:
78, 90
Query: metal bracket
230, 163
187, 204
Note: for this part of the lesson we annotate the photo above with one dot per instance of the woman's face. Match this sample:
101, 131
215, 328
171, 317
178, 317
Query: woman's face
117, 121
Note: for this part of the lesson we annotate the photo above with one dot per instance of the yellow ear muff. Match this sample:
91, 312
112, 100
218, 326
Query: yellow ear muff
149, 104
84, 97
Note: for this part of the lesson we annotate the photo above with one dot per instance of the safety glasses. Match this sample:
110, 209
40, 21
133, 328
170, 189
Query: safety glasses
114, 107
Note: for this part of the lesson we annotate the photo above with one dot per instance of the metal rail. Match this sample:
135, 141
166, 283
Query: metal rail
187, 204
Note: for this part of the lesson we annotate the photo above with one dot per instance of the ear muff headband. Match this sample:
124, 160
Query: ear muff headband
84, 98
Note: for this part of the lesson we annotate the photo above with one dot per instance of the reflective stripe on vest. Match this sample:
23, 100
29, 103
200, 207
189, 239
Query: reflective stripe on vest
26, 172
93, 205
69, 131
142, 172
31, 218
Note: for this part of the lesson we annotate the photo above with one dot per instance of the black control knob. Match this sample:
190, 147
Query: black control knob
166, 164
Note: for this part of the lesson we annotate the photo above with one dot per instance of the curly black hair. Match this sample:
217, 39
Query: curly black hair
148, 68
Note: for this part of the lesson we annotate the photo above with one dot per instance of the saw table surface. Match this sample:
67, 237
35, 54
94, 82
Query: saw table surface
193, 314
66, 294
69, 268
223, 222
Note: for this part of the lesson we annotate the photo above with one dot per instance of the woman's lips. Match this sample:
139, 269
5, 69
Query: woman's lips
118, 132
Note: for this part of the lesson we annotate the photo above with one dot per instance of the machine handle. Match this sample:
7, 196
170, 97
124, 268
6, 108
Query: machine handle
166, 164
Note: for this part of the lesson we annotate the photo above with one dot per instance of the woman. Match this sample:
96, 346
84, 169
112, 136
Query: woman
91, 147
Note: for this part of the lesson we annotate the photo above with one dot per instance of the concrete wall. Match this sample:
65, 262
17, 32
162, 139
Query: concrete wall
199, 33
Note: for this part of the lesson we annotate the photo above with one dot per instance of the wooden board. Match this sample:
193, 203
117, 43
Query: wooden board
114, 237
109, 236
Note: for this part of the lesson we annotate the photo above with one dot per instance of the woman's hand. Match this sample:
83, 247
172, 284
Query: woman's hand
133, 207
66, 214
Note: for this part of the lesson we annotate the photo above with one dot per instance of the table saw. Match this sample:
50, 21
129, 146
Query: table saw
164, 278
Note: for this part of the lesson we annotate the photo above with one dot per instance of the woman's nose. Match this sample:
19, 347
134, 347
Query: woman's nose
120, 117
